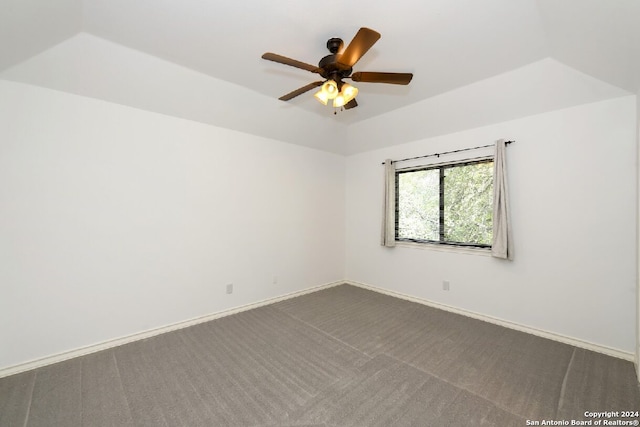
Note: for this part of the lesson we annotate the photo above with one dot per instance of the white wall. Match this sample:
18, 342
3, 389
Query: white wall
115, 220
574, 189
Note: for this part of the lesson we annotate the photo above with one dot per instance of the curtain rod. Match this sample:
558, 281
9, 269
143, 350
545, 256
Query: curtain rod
447, 152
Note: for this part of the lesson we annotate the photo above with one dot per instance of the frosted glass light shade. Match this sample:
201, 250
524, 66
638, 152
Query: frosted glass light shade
330, 88
321, 96
349, 92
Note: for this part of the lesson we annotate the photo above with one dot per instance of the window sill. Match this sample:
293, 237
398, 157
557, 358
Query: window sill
445, 248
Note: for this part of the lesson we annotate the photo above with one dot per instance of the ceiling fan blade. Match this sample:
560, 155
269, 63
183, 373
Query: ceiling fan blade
351, 104
361, 43
300, 91
374, 77
288, 61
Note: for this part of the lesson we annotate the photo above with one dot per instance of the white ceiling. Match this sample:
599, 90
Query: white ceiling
131, 51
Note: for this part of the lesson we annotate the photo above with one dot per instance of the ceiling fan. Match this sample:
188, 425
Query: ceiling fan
336, 67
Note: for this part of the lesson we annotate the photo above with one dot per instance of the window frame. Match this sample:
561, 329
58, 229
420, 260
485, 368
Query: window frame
441, 168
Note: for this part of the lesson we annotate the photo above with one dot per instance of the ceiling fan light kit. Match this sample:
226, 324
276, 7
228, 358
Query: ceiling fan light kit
322, 96
338, 66
340, 96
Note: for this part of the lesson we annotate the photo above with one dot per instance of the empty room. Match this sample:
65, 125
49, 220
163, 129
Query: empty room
347, 213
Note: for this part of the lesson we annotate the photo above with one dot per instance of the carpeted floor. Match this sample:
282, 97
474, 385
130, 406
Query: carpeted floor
343, 356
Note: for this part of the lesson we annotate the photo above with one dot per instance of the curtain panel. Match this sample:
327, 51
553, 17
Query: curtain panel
389, 205
502, 245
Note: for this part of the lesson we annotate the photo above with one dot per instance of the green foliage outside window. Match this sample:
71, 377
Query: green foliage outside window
447, 204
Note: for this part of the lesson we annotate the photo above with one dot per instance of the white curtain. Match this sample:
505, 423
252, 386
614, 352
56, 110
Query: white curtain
502, 245
389, 205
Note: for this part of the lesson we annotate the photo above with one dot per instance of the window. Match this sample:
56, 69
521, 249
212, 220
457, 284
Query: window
446, 204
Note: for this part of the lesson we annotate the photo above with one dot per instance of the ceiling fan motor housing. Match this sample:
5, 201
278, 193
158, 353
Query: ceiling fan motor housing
330, 68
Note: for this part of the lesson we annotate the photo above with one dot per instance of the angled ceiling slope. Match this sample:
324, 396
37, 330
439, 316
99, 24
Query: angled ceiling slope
597, 37
89, 66
28, 27
445, 44
201, 61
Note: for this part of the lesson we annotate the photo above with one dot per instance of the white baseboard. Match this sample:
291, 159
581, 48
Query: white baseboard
49, 360
507, 324
11, 370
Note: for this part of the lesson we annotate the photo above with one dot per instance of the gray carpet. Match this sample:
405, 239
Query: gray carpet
343, 356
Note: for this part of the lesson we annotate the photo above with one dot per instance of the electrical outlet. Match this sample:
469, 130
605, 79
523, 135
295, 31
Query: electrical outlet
230, 288
445, 285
